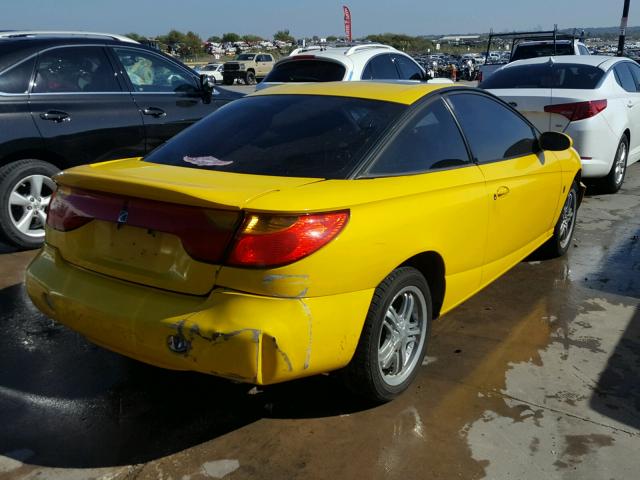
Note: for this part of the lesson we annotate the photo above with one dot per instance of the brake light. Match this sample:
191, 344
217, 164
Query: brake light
304, 57
276, 240
579, 110
204, 233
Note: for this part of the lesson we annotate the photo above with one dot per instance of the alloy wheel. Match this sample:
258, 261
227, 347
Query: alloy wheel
28, 202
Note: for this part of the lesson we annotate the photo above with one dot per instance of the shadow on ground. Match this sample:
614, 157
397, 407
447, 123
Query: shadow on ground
58, 389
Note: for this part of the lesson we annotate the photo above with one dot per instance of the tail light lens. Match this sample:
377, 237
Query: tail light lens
579, 110
276, 240
204, 233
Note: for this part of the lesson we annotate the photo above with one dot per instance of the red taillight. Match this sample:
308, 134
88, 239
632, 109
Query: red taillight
204, 233
579, 110
276, 240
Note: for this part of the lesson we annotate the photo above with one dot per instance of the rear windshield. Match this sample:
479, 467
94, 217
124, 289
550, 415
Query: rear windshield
545, 75
542, 50
283, 135
307, 71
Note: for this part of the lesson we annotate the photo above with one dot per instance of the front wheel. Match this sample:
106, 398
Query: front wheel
394, 337
250, 78
25, 192
558, 245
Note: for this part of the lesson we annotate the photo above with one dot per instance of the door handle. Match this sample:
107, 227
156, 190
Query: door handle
501, 192
56, 116
154, 112
630, 104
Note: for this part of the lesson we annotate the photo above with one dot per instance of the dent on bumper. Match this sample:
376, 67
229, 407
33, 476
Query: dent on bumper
230, 334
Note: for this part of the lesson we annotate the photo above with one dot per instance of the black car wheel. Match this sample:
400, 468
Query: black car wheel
228, 80
613, 181
558, 245
250, 78
25, 192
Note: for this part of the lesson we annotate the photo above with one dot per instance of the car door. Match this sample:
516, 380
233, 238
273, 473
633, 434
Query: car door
80, 108
523, 186
631, 103
449, 214
262, 65
167, 94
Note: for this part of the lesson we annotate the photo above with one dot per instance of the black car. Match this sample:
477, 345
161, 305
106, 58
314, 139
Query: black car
68, 99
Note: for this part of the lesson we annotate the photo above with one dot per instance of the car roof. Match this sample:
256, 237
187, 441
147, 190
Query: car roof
601, 61
398, 92
344, 54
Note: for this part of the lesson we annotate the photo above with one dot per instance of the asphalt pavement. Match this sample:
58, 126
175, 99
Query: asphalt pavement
536, 377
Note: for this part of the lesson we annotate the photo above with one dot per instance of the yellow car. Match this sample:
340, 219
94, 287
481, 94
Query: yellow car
305, 229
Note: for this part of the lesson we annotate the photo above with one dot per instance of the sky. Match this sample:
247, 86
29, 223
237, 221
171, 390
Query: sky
310, 17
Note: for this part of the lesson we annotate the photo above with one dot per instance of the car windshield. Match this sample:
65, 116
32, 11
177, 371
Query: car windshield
245, 56
541, 50
313, 136
307, 71
545, 75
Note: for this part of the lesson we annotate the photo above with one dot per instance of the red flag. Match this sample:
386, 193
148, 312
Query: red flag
347, 22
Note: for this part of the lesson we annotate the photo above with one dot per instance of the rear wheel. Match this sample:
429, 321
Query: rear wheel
394, 337
25, 192
558, 245
613, 181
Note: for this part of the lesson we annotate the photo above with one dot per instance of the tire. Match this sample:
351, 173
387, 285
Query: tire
559, 244
366, 374
613, 181
250, 78
19, 197
228, 80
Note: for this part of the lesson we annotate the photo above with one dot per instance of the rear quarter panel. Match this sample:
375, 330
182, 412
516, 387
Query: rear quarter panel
391, 220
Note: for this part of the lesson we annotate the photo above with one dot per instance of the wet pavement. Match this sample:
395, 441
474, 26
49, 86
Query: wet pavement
536, 377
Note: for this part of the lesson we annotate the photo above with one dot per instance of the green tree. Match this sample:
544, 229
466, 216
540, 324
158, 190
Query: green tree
332, 38
230, 37
192, 43
283, 36
251, 39
214, 39
135, 36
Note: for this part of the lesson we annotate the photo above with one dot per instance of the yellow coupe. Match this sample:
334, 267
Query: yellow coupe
305, 229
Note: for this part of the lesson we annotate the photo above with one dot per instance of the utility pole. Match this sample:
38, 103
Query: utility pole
623, 27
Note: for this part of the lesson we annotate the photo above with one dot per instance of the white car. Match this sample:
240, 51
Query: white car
593, 99
360, 62
213, 70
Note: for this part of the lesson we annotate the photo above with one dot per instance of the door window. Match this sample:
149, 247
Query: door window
380, 68
635, 71
624, 77
430, 141
409, 70
151, 73
583, 50
16, 79
494, 132
75, 69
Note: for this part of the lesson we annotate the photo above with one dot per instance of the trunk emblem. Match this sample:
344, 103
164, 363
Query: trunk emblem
123, 216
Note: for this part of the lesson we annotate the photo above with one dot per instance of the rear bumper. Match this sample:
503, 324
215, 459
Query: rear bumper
596, 143
230, 334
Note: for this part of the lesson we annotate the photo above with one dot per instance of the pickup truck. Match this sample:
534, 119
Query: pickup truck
248, 67
533, 44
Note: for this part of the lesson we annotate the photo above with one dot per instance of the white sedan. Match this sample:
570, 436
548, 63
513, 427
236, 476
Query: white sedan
593, 99
213, 70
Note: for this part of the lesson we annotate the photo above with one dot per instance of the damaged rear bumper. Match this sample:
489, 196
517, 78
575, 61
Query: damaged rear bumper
246, 337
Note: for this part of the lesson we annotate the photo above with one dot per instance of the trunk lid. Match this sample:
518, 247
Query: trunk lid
156, 225
530, 102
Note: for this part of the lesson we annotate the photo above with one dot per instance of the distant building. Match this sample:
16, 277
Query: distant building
459, 38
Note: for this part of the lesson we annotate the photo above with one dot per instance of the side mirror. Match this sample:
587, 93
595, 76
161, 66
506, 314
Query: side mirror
207, 87
555, 141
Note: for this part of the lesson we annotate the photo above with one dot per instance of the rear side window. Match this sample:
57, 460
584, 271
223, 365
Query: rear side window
545, 75
290, 135
75, 69
16, 79
542, 50
408, 69
625, 77
430, 141
307, 71
494, 132
380, 68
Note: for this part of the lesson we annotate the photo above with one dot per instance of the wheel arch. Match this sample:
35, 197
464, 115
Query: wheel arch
36, 154
431, 265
